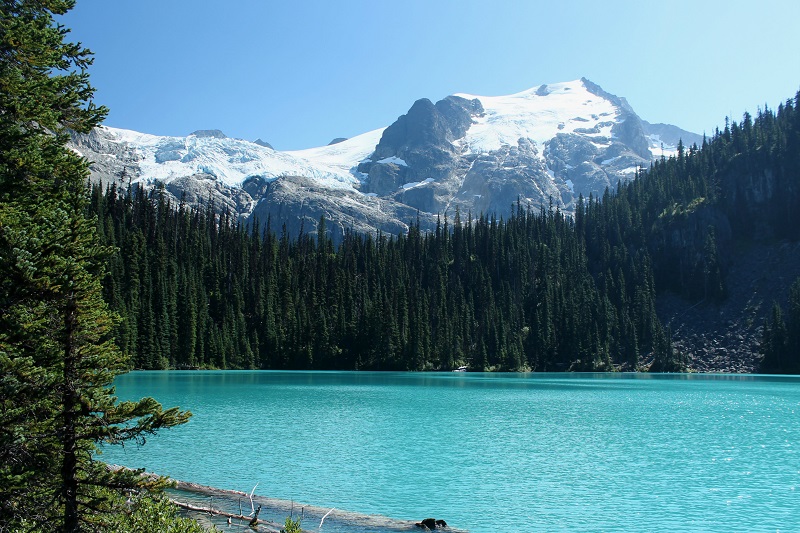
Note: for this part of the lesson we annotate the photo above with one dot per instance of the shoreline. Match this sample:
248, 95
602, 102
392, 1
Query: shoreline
213, 505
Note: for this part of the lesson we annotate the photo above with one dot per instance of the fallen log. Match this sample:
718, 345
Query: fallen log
200, 509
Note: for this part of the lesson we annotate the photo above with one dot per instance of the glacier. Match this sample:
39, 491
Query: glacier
545, 145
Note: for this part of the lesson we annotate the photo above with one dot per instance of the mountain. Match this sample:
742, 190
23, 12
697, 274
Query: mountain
477, 154
676, 270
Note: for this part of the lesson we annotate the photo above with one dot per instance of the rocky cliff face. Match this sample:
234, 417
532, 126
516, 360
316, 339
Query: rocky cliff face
544, 146
419, 146
298, 203
482, 154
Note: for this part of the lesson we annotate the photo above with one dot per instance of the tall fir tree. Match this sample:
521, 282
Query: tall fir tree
57, 360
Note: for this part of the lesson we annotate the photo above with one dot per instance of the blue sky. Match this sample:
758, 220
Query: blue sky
300, 73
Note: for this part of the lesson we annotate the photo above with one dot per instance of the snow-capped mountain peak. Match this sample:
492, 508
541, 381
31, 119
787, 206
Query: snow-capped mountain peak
544, 145
539, 114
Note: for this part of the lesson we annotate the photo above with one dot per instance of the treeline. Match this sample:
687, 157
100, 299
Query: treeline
538, 290
196, 290
780, 342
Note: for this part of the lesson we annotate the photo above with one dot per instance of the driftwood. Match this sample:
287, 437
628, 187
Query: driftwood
199, 509
365, 522
275, 504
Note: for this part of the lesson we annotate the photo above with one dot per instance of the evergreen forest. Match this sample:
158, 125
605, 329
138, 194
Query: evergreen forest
96, 281
532, 290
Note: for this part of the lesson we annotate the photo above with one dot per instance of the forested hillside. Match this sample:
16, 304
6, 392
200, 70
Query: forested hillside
196, 290
532, 290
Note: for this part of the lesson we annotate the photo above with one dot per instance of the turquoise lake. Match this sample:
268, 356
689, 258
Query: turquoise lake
491, 452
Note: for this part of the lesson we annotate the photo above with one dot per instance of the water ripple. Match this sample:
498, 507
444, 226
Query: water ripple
488, 452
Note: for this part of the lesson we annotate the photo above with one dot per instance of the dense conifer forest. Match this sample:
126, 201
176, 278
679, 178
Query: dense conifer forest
531, 290
781, 339
196, 290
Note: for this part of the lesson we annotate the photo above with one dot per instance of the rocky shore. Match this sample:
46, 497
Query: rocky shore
725, 336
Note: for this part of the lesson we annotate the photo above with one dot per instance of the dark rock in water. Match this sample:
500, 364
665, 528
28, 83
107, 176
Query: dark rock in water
254, 521
428, 523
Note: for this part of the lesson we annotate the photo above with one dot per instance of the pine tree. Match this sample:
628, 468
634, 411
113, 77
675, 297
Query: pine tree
774, 342
57, 360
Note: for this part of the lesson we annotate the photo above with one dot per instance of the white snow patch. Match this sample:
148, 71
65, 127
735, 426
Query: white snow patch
345, 154
571, 186
393, 160
659, 148
605, 131
344, 157
413, 184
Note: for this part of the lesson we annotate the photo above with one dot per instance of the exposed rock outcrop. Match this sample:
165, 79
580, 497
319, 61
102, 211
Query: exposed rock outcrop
217, 134
725, 336
418, 147
298, 203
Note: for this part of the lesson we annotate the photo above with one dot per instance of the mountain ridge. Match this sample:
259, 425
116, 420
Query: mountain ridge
544, 146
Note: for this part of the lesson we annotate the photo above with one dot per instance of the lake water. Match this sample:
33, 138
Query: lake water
491, 452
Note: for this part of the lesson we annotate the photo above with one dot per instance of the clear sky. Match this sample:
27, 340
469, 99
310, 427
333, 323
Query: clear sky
299, 73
